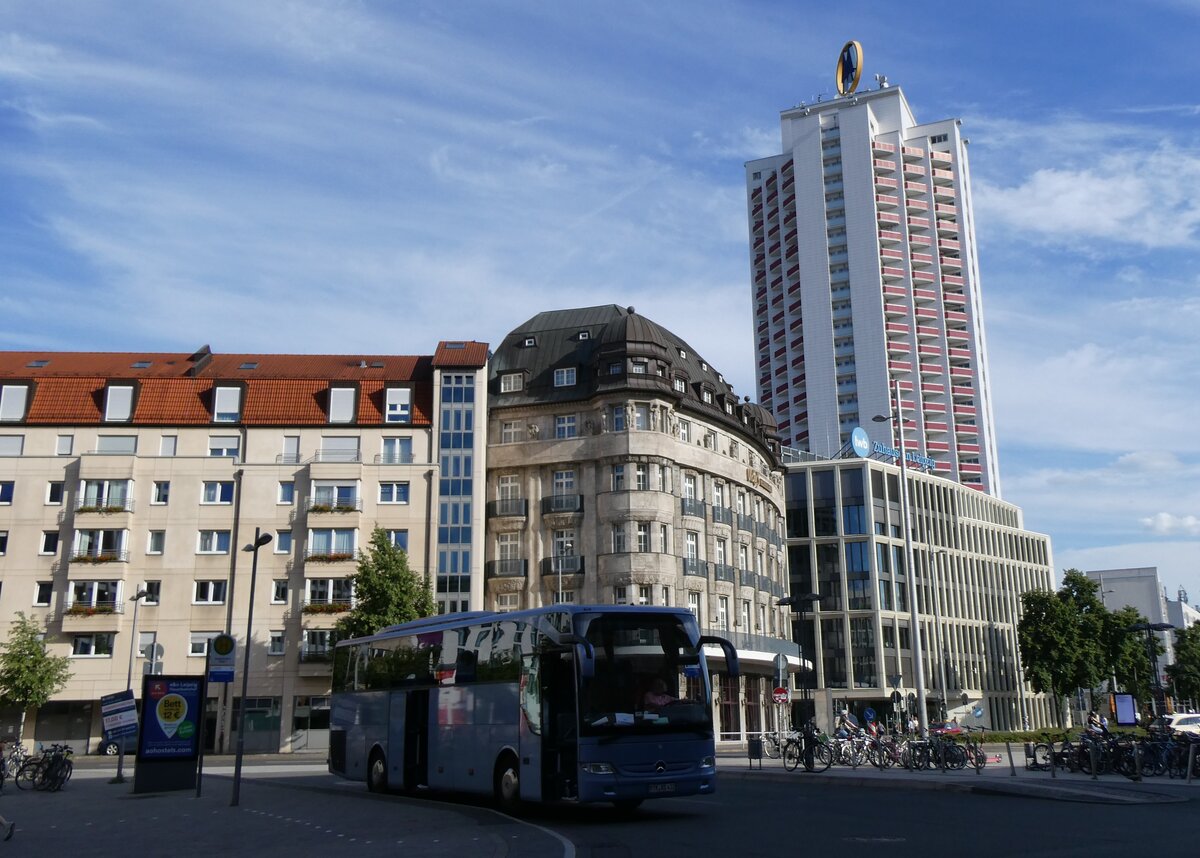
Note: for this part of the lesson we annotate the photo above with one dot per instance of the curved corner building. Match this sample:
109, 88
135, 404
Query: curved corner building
622, 469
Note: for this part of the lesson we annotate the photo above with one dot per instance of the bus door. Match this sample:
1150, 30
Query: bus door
560, 718
531, 726
416, 738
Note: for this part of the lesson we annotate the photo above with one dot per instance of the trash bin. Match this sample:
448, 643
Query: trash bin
754, 751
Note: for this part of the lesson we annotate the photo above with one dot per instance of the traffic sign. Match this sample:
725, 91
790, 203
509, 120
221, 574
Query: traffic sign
780, 695
896, 698
869, 714
781, 669
222, 651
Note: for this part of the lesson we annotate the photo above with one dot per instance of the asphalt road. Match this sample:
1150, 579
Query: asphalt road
291, 808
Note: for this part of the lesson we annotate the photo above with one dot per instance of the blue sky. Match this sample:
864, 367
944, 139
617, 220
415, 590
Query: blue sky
371, 176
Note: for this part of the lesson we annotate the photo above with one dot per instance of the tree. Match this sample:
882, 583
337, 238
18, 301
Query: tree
386, 591
1081, 595
29, 674
1185, 672
1047, 638
1126, 652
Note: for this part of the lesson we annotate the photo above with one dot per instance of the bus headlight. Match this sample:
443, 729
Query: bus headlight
599, 768
708, 762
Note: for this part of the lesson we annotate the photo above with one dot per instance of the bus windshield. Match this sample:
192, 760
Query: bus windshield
648, 677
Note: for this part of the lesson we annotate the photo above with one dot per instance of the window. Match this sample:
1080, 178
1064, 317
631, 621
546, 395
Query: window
398, 538
745, 617
156, 542
399, 405
643, 537
618, 478
153, 592
64, 445
618, 539
721, 553
664, 539
331, 543
283, 542
618, 418
209, 593
54, 493
564, 377
13, 398
213, 542
685, 431
614, 368
168, 445
529, 342
339, 448
564, 483
638, 367
41, 593
620, 595
11, 445
227, 404
723, 613
118, 403
566, 597
707, 396
117, 445
145, 645
693, 545
679, 384
393, 492
160, 493
6, 491
510, 432
49, 542
689, 486
276, 645
279, 591
291, 450
694, 603
217, 492
564, 426
397, 451
644, 596
3, 542
512, 382
198, 642
641, 417
506, 602
341, 405
641, 477
223, 445
98, 645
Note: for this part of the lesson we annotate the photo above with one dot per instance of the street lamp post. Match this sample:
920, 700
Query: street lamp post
1112, 687
897, 417
133, 642
799, 604
1152, 654
260, 539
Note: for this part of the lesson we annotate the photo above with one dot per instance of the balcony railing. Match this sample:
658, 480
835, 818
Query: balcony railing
103, 506
724, 572
696, 567
91, 609
562, 503
565, 564
394, 459
745, 522
747, 578
315, 504
506, 568
692, 506
316, 654
336, 456
754, 642
722, 515
288, 459
327, 606
328, 555
508, 507
107, 556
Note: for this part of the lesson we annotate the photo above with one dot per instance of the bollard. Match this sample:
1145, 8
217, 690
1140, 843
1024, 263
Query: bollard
1012, 767
1053, 760
1191, 761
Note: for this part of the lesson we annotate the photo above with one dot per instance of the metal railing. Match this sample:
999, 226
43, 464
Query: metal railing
722, 515
692, 506
107, 556
562, 503
326, 606
336, 456
695, 566
315, 504
103, 505
328, 555
566, 564
508, 507
724, 572
506, 568
745, 522
94, 608
394, 459
316, 655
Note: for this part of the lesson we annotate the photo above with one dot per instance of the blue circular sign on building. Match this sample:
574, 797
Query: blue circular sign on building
860, 443
869, 714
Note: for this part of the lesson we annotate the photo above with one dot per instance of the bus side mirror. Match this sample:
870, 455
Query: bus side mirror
585, 653
731, 656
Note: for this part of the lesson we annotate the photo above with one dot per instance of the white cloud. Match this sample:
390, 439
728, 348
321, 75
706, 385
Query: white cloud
1167, 524
1176, 561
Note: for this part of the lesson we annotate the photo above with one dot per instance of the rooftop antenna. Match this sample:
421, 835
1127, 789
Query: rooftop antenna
882, 80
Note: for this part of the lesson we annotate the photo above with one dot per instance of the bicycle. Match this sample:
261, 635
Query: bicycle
49, 771
976, 757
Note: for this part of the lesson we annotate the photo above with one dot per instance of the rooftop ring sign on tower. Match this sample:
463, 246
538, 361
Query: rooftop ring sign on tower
849, 68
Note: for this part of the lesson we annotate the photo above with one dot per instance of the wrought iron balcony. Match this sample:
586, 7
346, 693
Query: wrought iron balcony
562, 503
507, 568
722, 515
506, 507
565, 564
696, 567
692, 506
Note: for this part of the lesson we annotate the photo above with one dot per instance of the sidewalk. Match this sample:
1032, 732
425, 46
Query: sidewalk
997, 778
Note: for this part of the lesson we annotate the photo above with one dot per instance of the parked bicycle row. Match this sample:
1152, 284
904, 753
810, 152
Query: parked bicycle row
1124, 754
48, 770
817, 751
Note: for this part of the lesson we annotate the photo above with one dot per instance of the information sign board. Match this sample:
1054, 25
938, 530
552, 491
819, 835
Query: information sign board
173, 706
119, 713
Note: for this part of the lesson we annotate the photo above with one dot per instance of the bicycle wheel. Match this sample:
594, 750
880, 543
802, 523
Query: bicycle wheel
61, 775
791, 756
27, 774
1043, 756
771, 746
822, 758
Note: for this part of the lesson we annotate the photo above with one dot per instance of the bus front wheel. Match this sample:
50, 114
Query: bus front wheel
508, 783
377, 772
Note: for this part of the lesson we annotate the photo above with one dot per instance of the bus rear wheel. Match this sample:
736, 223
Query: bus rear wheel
377, 772
507, 783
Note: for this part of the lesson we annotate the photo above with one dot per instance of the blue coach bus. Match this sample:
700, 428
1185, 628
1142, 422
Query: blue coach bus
564, 703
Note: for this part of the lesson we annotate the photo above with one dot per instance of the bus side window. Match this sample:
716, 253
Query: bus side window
531, 693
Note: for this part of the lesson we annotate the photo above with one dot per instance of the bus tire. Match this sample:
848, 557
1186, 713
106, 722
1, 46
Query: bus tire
377, 771
507, 783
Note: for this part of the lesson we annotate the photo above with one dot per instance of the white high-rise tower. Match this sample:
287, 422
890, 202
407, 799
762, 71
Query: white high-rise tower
864, 272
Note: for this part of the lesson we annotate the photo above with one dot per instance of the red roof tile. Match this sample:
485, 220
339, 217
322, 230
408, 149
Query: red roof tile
453, 353
67, 400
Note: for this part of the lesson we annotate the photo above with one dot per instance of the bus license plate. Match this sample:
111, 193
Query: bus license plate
661, 789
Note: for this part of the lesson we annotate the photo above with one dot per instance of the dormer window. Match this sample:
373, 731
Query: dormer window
250, 364
141, 364
704, 366
341, 405
614, 368
564, 377
118, 403
529, 342
585, 335
706, 395
13, 400
37, 364
512, 382
638, 367
683, 354
728, 407
399, 405
227, 404
679, 385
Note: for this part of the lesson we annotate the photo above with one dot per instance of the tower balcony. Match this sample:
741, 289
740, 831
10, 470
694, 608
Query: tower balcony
886, 201
961, 373
912, 153
923, 296
947, 226
962, 390
918, 223
970, 468
896, 366
963, 354
914, 188
887, 253
891, 273
941, 157
966, 429
929, 351
942, 176
885, 183
943, 210
889, 236
964, 410
937, 446
929, 389
956, 316
914, 205
943, 192
893, 291
913, 169
897, 328
931, 368
917, 239
895, 347
878, 147
919, 276
883, 165
927, 332
950, 263
966, 448
949, 244
952, 280
957, 336
926, 313
892, 310
936, 426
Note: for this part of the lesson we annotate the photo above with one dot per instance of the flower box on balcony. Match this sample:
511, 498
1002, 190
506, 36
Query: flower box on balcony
103, 509
89, 610
94, 558
331, 558
340, 507
326, 608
